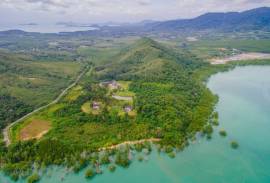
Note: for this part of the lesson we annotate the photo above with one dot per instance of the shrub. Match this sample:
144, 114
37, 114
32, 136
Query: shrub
140, 158
89, 173
234, 144
223, 133
122, 159
138, 147
171, 155
112, 168
33, 178
169, 149
208, 130
105, 159
215, 122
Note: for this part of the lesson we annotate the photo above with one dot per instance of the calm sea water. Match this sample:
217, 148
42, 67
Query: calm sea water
244, 110
50, 28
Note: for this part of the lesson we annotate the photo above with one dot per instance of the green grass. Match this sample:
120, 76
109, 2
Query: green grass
86, 107
124, 84
125, 93
124, 90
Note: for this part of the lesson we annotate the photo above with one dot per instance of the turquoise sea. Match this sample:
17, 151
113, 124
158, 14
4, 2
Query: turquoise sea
244, 111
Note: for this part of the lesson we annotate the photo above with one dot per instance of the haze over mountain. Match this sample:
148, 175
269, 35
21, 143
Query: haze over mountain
252, 19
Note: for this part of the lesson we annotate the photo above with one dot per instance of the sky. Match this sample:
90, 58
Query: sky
14, 12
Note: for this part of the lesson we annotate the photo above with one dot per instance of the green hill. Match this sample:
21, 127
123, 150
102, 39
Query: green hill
146, 57
167, 103
166, 92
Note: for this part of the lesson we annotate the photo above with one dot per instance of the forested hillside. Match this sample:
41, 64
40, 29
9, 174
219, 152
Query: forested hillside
255, 19
167, 95
162, 101
26, 83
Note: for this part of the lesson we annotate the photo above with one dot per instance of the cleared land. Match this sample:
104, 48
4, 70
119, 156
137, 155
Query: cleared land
34, 130
239, 57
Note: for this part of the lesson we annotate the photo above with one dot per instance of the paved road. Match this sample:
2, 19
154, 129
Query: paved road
6, 130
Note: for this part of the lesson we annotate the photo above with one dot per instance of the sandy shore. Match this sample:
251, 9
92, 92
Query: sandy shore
129, 143
239, 57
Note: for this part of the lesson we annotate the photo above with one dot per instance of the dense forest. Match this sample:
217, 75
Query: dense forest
26, 83
11, 109
169, 103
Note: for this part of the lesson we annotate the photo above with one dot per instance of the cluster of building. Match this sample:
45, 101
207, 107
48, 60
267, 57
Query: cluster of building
112, 85
96, 106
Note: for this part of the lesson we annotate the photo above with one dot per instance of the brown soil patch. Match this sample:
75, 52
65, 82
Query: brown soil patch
34, 130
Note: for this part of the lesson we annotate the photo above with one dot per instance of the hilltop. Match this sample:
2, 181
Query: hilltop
147, 58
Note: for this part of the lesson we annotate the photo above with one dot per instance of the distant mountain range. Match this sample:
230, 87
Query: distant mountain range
255, 19
248, 20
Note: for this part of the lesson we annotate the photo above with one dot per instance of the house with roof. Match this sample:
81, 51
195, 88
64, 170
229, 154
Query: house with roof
128, 108
95, 105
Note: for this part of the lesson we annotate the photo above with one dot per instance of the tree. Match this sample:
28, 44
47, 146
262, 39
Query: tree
112, 168
33, 178
223, 133
89, 173
234, 144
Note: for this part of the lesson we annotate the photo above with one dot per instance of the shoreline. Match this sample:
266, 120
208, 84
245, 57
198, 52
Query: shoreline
240, 57
129, 143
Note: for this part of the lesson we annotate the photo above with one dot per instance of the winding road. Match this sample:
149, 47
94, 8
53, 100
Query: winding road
6, 130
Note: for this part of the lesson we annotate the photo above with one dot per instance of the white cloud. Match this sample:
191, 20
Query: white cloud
115, 10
